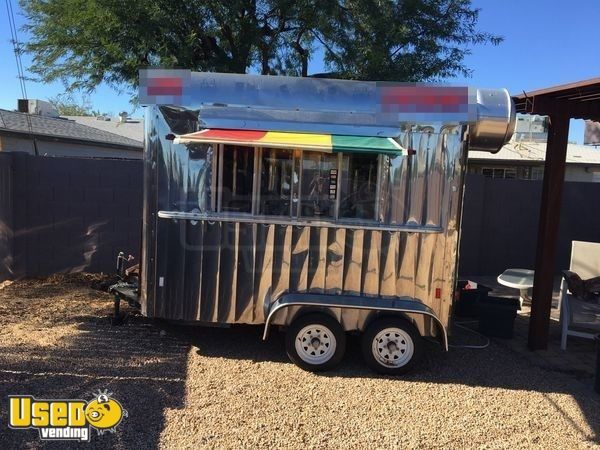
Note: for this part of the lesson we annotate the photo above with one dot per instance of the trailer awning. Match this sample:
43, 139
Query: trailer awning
275, 139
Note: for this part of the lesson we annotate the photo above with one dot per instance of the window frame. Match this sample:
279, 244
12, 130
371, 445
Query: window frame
295, 217
258, 178
217, 183
507, 172
297, 163
378, 185
336, 204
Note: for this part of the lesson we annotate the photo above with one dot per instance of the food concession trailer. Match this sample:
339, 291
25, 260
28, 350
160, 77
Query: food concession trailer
319, 206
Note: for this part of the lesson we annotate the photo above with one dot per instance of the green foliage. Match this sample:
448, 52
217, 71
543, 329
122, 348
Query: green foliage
66, 105
86, 42
411, 40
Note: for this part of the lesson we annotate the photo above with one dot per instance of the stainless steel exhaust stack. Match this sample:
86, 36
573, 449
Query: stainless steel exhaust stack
494, 123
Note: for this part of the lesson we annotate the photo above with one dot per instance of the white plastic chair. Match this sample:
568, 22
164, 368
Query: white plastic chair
577, 317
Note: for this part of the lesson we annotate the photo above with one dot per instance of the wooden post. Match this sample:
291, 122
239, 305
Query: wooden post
554, 175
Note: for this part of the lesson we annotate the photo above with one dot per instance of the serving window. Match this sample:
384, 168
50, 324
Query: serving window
303, 185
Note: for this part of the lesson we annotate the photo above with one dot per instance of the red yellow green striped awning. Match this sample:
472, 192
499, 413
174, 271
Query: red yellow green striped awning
276, 139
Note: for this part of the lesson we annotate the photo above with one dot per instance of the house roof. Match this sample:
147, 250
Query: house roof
16, 122
132, 129
536, 151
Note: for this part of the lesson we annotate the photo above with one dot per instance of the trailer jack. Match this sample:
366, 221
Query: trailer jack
123, 290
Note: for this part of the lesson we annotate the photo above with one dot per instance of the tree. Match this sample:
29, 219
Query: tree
66, 105
87, 42
412, 40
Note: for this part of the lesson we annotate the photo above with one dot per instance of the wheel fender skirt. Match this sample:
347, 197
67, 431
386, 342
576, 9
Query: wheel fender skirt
402, 304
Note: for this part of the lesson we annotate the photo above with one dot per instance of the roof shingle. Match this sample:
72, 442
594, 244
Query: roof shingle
61, 128
130, 129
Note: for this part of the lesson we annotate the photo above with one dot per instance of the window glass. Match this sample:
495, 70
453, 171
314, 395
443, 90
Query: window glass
319, 184
506, 172
395, 178
199, 179
359, 186
237, 176
278, 177
498, 173
537, 173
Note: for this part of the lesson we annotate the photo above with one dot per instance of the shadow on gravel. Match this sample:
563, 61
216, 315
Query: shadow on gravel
145, 371
492, 367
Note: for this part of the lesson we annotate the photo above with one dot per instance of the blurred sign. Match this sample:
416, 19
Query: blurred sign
163, 86
591, 136
307, 105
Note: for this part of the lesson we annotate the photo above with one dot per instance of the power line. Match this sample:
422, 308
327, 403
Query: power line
19, 63
17, 51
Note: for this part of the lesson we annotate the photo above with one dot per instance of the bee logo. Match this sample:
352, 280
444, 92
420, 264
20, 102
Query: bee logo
104, 413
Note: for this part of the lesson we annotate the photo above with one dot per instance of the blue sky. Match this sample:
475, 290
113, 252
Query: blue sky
547, 42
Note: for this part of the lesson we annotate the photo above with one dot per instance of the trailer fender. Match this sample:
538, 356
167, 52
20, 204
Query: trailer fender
400, 305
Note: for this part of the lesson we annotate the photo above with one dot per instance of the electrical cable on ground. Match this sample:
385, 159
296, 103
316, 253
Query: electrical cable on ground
461, 325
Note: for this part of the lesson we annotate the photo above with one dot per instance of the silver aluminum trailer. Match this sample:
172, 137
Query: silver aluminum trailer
320, 206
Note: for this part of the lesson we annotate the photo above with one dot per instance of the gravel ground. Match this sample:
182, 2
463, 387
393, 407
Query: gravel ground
212, 387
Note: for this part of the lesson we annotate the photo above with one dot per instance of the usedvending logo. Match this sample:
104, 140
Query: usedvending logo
66, 419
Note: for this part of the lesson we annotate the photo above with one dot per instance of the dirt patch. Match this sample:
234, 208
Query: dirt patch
57, 341
30, 307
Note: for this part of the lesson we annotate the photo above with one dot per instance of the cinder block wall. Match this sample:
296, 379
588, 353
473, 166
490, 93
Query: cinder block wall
73, 214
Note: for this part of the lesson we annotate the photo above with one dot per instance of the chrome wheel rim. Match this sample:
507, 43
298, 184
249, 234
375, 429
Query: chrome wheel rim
315, 344
392, 347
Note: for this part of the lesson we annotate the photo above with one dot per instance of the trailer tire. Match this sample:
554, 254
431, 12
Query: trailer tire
391, 345
315, 342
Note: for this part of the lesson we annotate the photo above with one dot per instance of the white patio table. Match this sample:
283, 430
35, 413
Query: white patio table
521, 279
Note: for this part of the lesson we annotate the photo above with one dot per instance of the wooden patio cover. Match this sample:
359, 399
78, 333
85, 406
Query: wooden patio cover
579, 100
